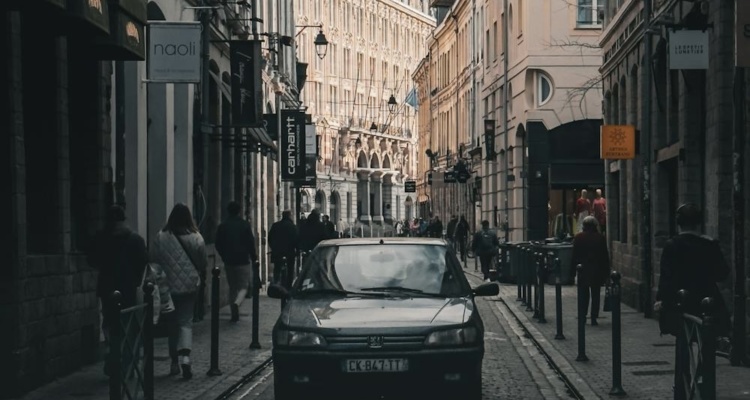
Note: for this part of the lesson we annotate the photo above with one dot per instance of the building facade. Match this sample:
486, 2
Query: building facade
532, 86
686, 118
367, 146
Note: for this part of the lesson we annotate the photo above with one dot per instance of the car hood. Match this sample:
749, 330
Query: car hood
368, 312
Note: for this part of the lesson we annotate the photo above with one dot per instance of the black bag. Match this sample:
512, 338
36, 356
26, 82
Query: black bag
607, 299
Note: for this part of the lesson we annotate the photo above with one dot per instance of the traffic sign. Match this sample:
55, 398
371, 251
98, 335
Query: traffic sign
410, 186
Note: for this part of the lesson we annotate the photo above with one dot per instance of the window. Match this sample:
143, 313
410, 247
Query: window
588, 12
543, 89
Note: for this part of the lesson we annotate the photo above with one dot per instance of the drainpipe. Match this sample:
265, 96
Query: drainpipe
646, 162
506, 33
456, 189
473, 116
738, 355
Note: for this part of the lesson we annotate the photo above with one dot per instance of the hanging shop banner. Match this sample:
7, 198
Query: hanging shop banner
489, 139
311, 155
688, 49
617, 142
293, 147
174, 52
247, 89
742, 33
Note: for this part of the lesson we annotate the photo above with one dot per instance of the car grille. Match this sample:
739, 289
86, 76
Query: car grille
390, 343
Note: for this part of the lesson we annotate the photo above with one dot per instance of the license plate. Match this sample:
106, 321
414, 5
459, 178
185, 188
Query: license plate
376, 365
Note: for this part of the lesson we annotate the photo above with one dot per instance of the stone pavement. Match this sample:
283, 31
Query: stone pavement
647, 357
235, 360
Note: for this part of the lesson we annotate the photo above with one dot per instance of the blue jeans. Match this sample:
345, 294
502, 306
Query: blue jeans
181, 333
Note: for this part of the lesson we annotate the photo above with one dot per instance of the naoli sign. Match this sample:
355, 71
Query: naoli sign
174, 52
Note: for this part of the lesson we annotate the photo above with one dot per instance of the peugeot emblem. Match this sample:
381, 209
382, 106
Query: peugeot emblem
374, 342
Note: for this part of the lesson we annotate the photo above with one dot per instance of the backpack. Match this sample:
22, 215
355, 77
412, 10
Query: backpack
486, 242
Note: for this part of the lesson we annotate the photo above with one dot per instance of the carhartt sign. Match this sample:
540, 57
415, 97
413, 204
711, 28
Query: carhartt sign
174, 52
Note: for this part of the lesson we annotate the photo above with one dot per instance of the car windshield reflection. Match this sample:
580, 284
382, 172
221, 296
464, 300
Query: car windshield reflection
404, 269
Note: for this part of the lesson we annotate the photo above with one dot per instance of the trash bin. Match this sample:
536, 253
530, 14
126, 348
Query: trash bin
506, 274
563, 251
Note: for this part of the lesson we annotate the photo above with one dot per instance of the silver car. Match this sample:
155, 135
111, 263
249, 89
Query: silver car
377, 317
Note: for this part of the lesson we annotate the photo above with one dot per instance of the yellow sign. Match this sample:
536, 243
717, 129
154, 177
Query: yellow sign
617, 142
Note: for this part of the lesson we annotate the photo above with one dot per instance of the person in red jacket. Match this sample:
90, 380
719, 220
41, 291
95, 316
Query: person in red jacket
590, 251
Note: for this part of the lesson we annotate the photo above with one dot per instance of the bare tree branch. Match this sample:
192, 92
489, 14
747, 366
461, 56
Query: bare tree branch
573, 43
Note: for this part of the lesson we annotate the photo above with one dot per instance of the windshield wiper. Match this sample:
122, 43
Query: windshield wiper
341, 292
400, 289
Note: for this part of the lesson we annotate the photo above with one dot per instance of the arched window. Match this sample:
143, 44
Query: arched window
543, 89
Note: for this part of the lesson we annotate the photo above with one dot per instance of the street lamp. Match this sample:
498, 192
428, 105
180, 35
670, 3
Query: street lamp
373, 128
321, 43
392, 104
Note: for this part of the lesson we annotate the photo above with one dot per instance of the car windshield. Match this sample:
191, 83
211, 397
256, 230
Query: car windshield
409, 269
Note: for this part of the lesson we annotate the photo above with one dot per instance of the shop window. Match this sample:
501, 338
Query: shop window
560, 210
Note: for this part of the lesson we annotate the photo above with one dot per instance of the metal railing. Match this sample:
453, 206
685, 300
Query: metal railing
695, 369
131, 347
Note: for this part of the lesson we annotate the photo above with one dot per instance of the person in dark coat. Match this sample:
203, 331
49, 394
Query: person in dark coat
462, 232
120, 256
283, 239
485, 245
692, 262
235, 243
328, 228
451, 230
590, 251
311, 231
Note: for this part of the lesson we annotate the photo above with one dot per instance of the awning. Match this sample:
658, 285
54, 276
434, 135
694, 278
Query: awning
94, 14
263, 139
127, 33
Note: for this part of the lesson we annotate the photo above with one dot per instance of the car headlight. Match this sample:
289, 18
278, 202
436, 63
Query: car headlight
285, 337
453, 337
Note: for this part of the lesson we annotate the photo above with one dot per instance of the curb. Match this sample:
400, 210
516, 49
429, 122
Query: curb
554, 357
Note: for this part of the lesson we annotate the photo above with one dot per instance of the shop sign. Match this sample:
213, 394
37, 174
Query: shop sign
742, 33
293, 147
95, 12
247, 90
688, 49
174, 52
311, 155
617, 142
410, 186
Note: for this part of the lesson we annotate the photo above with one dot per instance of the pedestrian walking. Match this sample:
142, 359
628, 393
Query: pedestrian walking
235, 243
120, 256
462, 233
590, 251
450, 231
695, 263
311, 231
329, 230
283, 239
485, 245
181, 251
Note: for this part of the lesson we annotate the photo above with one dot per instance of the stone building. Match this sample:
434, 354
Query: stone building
87, 129
534, 83
691, 113
367, 146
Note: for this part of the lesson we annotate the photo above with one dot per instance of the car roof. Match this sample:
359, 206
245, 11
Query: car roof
384, 240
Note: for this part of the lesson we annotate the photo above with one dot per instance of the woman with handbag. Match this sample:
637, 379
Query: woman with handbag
181, 251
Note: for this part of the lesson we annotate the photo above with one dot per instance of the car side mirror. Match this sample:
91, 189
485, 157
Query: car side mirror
276, 291
486, 289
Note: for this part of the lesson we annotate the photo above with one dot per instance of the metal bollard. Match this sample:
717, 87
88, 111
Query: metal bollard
114, 358
542, 275
519, 278
215, 300
148, 342
522, 273
616, 337
558, 301
528, 268
708, 349
535, 278
581, 318
281, 280
255, 344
